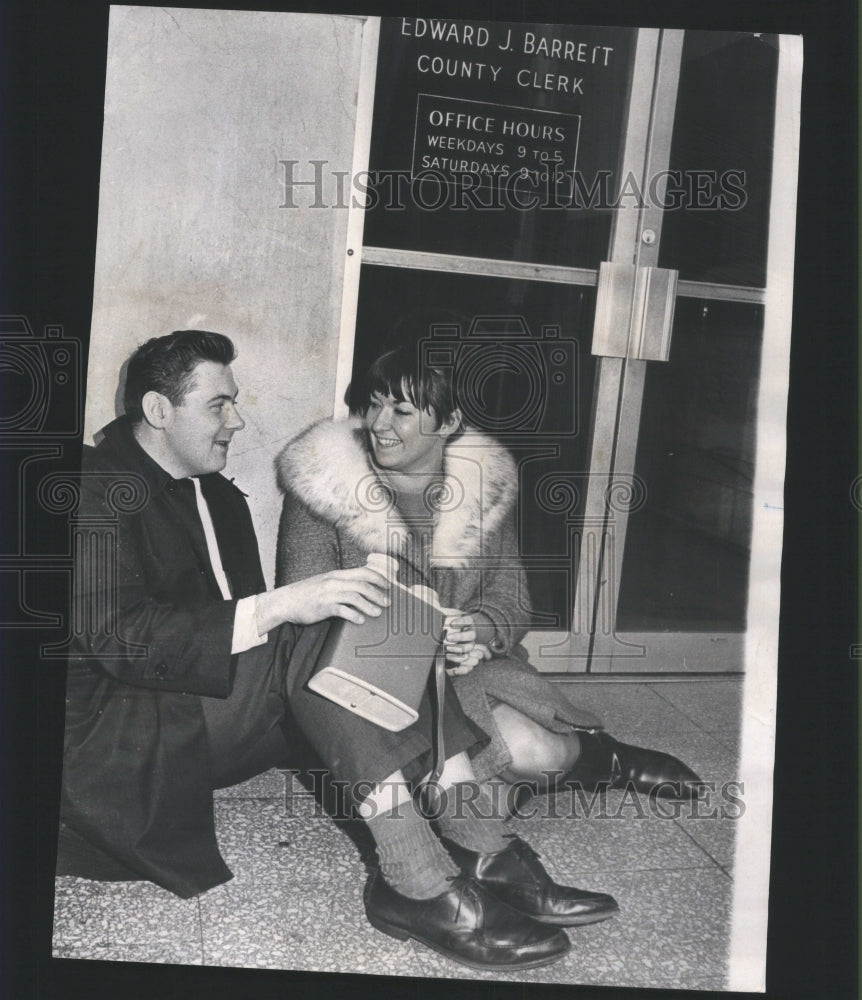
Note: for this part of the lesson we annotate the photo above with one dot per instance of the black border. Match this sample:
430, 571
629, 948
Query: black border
53, 68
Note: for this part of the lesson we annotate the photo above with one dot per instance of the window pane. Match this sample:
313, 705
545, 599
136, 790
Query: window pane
687, 548
525, 376
716, 225
557, 94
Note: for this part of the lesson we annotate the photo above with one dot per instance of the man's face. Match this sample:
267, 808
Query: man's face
199, 431
403, 438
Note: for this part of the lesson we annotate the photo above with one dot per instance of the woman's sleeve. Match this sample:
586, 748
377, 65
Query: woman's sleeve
306, 544
505, 596
496, 589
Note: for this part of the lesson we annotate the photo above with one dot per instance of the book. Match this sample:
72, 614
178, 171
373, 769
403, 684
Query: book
379, 670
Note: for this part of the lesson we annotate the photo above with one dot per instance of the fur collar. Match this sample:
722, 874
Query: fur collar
328, 468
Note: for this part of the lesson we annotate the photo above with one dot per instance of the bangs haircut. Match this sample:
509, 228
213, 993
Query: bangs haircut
399, 374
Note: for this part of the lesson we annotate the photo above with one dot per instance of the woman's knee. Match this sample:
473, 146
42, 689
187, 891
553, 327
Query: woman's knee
534, 749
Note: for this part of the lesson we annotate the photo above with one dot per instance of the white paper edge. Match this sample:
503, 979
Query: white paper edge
753, 836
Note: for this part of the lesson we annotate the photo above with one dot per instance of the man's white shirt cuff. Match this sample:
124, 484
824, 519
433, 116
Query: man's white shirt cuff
245, 626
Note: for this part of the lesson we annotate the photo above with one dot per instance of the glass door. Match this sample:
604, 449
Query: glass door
492, 160
664, 585
585, 211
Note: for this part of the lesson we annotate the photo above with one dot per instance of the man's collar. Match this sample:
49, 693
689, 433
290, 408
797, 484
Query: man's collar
121, 437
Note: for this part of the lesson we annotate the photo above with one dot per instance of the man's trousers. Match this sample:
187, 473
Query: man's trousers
247, 730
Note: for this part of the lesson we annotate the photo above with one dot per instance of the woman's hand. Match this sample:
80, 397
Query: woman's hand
478, 653
460, 644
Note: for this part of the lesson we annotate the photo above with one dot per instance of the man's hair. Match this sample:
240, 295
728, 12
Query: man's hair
165, 365
402, 374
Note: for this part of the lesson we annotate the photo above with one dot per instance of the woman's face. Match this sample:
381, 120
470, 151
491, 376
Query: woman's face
403, 438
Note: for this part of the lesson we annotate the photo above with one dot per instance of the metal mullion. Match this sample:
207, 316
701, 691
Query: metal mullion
483, 266
720, 293
356, 212
591, 588
656, 159
603, 426
633, 378
625, 230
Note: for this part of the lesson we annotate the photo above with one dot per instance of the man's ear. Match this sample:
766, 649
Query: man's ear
157, 409
449, 426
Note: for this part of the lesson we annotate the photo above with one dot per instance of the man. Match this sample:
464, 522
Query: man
186, 663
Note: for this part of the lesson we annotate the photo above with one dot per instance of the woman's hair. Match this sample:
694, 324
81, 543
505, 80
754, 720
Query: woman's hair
165, 365
403, 374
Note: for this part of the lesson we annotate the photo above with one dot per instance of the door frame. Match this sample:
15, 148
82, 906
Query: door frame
593, 645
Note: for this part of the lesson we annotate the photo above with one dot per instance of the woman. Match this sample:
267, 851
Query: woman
403, 477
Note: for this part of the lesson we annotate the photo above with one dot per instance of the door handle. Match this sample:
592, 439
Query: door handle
634, 311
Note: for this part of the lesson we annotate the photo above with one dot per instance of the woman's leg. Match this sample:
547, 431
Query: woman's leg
537, 753
585, 755
590, 759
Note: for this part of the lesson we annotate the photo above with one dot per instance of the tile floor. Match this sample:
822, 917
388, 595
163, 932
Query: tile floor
296, 899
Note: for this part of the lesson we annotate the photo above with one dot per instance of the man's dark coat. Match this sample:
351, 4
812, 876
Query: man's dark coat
154, 635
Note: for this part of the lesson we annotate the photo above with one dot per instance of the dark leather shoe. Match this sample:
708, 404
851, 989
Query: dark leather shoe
516, 876
607, 763
466, 924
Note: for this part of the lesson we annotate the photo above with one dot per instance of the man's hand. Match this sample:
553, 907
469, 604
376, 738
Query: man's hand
341, 593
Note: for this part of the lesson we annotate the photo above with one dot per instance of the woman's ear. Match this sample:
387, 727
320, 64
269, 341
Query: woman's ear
450, 425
